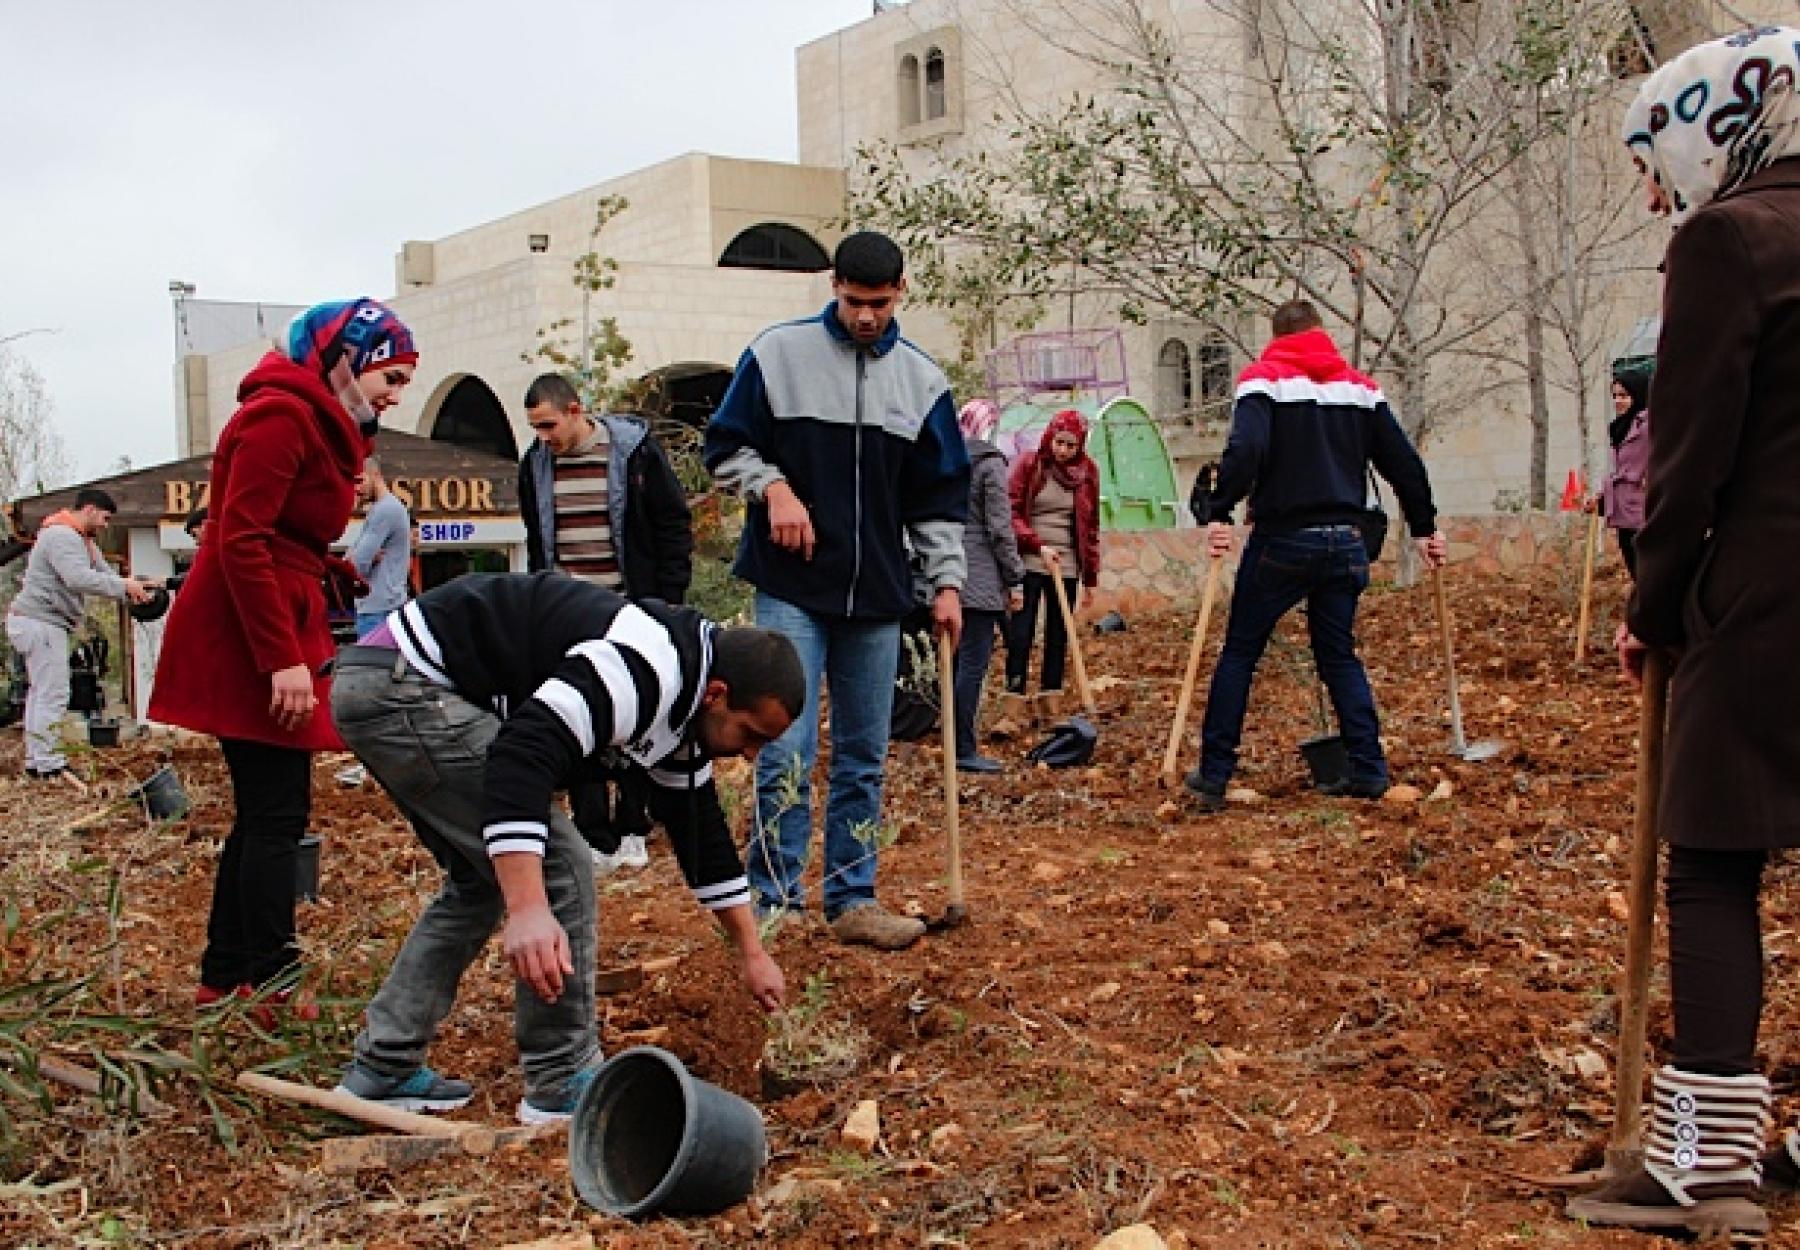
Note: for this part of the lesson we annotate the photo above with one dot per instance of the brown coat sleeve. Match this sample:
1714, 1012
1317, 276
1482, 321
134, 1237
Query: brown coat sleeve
1712, 315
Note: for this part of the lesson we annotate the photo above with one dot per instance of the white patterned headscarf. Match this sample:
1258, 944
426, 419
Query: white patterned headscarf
1718, 113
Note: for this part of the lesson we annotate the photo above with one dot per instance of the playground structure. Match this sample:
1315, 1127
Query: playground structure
1035, 376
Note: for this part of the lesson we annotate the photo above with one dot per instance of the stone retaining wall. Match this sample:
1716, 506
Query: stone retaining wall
1153, 569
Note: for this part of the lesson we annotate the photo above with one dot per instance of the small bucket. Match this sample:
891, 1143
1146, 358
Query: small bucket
1327, 759
103, 733
161, 795
649, 1136
306, 870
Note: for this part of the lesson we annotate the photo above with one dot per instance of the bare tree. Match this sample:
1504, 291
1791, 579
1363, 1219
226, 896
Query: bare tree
32, 455
1241, 152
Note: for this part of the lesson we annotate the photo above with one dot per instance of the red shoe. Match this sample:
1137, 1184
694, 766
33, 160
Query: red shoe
268, 1011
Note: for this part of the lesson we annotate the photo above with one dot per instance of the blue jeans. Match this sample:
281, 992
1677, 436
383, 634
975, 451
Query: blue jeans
1327, 567
972, 656
857, 661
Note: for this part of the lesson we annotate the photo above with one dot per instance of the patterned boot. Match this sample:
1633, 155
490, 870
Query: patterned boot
1781, 1165
1701, 1170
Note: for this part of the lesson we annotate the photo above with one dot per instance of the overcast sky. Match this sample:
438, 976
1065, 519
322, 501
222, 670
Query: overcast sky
283, 152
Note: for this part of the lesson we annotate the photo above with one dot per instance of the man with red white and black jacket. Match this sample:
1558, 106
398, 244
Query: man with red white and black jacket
473, 704
1305, 432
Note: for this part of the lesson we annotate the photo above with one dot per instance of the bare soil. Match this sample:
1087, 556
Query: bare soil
1304, 1022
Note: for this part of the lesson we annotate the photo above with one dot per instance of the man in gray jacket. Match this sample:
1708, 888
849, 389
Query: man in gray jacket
382, 552
65, 565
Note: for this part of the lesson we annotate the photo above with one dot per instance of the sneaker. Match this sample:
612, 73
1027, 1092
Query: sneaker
977, 764
53, 773
871, 924
550, 1111
351, 776
267, 1011
424, 1090
1207, 797
1356, 788
632, 852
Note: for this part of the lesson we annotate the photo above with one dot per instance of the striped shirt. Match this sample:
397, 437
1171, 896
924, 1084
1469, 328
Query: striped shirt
576, 672
584, 532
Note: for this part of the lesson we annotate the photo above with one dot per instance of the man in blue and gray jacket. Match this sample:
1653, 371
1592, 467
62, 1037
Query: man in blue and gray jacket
842, 437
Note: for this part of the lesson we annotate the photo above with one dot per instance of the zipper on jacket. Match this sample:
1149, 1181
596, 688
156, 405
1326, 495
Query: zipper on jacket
856, 549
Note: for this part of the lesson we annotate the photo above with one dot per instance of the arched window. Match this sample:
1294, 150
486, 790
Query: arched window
1215, 368
934, 84
473, 417
773, 245
1174, 378
906, 88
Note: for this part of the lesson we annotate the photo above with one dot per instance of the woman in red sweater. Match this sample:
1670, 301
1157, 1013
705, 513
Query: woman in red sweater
248, 633
1055, 494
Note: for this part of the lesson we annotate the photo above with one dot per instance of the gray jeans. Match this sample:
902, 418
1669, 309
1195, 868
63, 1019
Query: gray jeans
428, 748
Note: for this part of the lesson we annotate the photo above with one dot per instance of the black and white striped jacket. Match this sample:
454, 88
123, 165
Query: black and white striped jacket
572, 670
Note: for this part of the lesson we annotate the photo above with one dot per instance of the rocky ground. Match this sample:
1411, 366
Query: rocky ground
1304, 1022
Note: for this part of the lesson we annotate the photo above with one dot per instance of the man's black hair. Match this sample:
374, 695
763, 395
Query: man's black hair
758, 664
195, 520
1294, 316
92, 497
553, 389
868, 258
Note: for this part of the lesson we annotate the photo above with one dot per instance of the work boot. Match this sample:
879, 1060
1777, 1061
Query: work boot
1700, 1170
871, 924
1355, 788
1207, 797
1049, 705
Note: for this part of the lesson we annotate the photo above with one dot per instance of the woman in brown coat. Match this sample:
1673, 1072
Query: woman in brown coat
1717, 132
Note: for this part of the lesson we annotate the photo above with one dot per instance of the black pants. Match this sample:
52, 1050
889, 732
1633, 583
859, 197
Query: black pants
972, 655
1024, 628
250, 933
1628, 550
1715, 958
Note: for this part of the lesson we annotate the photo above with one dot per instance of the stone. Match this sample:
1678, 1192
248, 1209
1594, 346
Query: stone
1044, 870
946, 1138
1243, 794
1132, 1237
1441, 791
863, 1127
1403, 795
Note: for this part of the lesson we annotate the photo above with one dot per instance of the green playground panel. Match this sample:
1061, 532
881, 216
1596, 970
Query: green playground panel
1137, 477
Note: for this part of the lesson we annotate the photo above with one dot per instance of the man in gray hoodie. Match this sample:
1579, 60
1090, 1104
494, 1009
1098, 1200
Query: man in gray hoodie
65, 565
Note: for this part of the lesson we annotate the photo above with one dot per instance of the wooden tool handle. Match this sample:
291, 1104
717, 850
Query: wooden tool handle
1634, 995
1587, 588
1068, 615
349, 1105
1173, 753
1443, 613
947, 713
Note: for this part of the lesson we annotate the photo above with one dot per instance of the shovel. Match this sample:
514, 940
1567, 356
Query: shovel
1470, 752
1062, 602
955, 913
1625, 1146
1172, 753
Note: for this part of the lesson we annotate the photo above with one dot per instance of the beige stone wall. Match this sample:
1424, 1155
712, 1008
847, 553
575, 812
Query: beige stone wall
681, 212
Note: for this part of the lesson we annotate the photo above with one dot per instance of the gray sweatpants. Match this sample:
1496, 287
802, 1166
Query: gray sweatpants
428, 747
45, 650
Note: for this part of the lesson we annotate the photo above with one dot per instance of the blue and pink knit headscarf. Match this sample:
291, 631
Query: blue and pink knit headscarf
363, 332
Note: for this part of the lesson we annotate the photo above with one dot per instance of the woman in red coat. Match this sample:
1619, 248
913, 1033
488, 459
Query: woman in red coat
1055, 494
248, 634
